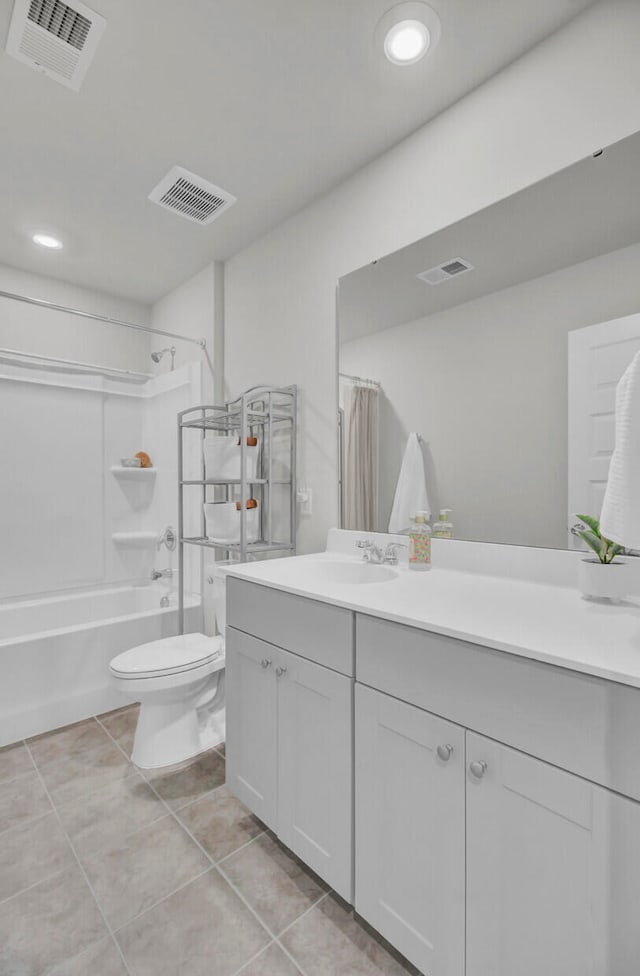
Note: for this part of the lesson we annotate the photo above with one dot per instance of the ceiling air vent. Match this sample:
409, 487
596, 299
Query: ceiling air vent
443, 272
190, 196
55, 38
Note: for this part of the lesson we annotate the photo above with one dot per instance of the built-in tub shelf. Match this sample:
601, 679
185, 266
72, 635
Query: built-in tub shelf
135, 540
132, 474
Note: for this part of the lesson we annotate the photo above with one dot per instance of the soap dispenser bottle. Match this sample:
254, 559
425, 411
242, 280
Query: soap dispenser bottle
420, 542
443, 528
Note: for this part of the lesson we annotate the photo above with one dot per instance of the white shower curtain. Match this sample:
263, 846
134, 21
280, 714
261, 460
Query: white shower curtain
361, 460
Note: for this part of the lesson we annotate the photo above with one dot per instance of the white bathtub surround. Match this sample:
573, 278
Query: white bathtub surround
55, 652
520, 600
62, 434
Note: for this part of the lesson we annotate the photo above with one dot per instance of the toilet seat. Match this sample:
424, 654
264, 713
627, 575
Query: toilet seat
169, 655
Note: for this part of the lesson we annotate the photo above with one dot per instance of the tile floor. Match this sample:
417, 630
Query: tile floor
108, 872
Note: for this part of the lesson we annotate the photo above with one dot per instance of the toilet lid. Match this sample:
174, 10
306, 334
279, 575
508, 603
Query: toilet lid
171, 655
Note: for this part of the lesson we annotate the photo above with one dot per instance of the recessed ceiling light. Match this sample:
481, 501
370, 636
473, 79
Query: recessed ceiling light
407, 42
47, 240
407, 31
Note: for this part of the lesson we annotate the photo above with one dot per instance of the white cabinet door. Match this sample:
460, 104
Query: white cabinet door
315, 768
553, 870
410, 831
252, 723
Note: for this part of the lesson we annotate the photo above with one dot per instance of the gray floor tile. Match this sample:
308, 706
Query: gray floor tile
30, 853
271, 962
147, 865
21, 799
220, 823
276, 885
67, 742
14, 761
186, 782
100, 960
329, 941
99, 821
50, 922
121, 724
84, 773
203, 930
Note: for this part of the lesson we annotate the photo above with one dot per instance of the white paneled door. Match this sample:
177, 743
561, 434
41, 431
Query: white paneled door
553, 870
598, 356
410, 832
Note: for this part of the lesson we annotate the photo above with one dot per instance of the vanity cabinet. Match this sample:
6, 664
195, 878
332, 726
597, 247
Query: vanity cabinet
466, 846
289, 729
410, 830
553, 870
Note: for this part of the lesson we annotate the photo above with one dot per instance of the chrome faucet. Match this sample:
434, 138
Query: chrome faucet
390, 556
374, 554
157, 574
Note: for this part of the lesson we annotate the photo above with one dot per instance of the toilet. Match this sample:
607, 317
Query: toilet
179, 682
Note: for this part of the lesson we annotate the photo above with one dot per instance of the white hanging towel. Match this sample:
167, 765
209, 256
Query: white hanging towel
411, 490
620, 516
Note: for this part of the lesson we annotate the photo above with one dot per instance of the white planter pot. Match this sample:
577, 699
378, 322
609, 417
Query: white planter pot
606, 581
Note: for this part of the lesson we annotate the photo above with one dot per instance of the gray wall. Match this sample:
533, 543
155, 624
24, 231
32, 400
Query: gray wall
575, 92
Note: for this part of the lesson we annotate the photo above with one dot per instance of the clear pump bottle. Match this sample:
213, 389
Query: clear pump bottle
420, 543
443, 528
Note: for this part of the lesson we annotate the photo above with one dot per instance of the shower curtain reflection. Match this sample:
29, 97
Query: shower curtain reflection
360, 463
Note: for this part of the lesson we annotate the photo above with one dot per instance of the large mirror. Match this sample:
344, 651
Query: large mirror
504, 364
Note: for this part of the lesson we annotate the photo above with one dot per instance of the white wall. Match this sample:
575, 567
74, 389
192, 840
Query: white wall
577, 91
485, 384
29, 328
193, 309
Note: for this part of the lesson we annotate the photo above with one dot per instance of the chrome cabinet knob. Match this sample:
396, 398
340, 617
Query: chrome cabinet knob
265, 662
445, 752
281, 671
478, 768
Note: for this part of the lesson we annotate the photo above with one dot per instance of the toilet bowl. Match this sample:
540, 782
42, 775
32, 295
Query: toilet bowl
179, 682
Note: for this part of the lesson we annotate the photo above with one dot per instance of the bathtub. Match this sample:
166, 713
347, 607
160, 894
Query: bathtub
55, 652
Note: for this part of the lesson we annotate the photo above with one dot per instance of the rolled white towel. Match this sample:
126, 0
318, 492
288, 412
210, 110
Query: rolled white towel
620, 516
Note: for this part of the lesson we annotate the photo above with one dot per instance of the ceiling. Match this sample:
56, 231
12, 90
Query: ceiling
588, 209
275, 102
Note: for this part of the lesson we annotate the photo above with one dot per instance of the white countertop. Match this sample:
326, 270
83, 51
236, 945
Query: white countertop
549, 623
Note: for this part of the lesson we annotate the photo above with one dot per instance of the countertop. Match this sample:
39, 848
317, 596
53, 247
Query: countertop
549, 623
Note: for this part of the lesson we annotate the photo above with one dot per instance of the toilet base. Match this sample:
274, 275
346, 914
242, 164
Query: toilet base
167, 734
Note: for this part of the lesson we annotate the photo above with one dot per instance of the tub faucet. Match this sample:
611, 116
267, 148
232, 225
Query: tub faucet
157, 574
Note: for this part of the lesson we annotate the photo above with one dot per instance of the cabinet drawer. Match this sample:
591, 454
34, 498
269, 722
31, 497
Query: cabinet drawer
582, 724
317, 631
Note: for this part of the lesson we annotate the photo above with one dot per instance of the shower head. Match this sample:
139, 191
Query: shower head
157, 356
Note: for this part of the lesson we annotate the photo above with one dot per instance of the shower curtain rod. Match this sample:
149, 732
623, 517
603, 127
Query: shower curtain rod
17, 354
102, 318
359, 379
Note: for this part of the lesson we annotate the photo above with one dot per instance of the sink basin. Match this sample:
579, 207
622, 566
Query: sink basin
343, 572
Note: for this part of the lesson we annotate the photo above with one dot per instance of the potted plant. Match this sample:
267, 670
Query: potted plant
599, 576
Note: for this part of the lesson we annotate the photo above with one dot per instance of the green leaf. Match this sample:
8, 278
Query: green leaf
593, 541
592, 522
